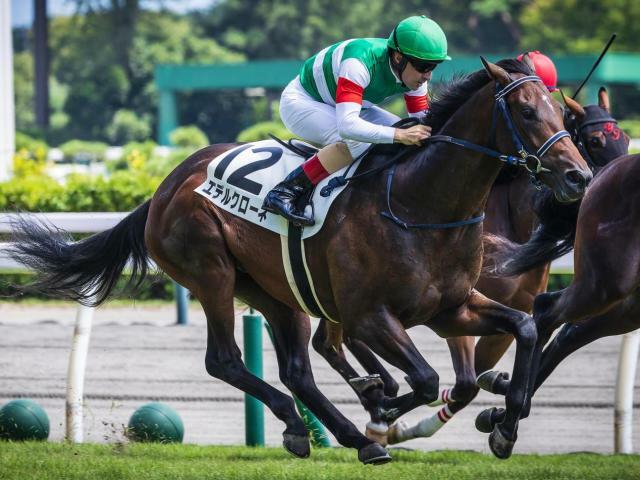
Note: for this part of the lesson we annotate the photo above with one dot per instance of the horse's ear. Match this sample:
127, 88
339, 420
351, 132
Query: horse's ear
526, 59
603, 99
574, 106
497, 73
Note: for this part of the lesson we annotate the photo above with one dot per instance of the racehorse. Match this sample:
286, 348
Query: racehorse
512, 212
370, 274
603, 299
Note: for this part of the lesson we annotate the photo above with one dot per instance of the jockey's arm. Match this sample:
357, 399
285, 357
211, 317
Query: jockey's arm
352, 80
417, 101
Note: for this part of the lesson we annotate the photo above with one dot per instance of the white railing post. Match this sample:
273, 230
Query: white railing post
75, 374
625, 384
7, 103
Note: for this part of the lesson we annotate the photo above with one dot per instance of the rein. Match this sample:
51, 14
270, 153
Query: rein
531, 162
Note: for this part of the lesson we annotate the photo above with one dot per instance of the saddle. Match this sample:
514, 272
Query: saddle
298, 147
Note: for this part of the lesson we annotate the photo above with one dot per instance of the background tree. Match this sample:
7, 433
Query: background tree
88, 59
104, 56
584, 26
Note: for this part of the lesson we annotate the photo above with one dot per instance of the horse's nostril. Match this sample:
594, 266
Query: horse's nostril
579, 178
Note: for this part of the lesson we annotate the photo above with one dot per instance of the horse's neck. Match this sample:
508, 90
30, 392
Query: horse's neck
447, 178
509, 210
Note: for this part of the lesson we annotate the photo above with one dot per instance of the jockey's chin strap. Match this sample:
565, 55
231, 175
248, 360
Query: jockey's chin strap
531, 162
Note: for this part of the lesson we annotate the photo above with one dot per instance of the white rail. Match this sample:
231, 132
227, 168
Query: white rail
623, 413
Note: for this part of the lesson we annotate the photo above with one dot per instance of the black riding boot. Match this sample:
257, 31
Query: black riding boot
284, 197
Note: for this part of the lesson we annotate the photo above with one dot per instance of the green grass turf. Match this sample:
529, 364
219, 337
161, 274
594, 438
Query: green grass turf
48, 460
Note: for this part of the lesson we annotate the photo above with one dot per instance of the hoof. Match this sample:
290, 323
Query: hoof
490, 379
373, 454
395, 433
486, 420
297, 445
499, 444
377, 432
362, 384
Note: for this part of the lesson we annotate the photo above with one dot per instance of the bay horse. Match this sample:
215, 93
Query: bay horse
374, 277
603, 298
512, 212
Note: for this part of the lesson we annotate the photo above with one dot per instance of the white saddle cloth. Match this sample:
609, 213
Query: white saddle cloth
240, 178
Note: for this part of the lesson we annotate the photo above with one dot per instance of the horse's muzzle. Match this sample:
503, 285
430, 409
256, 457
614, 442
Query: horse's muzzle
575, 185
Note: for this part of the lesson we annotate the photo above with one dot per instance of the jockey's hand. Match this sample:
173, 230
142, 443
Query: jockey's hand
412, 135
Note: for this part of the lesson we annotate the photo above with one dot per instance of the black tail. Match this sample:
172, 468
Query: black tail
85, 271
551, 239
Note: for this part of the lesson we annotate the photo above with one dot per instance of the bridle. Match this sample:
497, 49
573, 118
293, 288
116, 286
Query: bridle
530, 161
576, 137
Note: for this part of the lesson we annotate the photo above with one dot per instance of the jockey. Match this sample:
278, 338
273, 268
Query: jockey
332, 102
544, 67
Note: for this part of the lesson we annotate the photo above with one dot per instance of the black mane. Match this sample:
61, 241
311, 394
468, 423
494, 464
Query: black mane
450, 97
455, 93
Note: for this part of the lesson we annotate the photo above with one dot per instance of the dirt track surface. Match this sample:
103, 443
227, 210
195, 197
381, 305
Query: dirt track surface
138, 354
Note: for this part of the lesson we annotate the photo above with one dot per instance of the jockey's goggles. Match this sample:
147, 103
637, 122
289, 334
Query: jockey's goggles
422, 66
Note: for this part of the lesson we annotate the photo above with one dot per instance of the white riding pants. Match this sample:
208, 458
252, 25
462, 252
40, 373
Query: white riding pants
316, 121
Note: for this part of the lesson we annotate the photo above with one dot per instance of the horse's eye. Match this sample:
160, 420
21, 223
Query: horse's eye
595, 142
528, 113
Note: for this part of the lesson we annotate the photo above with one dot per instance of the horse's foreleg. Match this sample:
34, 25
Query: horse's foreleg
291, 332
578, 301
482, 316
573, 336
454, 399
491, 348
328, 340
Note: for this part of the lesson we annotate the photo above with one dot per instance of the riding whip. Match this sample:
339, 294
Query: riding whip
595, 65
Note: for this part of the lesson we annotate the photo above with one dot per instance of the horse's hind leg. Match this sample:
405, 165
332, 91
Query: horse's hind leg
193, 252
328, 340
291, 332
372, 365
223, 360
386, 337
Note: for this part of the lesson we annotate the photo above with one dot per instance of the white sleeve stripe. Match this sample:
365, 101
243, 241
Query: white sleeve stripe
354, 70
336, 59
318, 76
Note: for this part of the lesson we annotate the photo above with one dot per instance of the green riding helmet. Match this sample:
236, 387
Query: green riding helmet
419, 37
